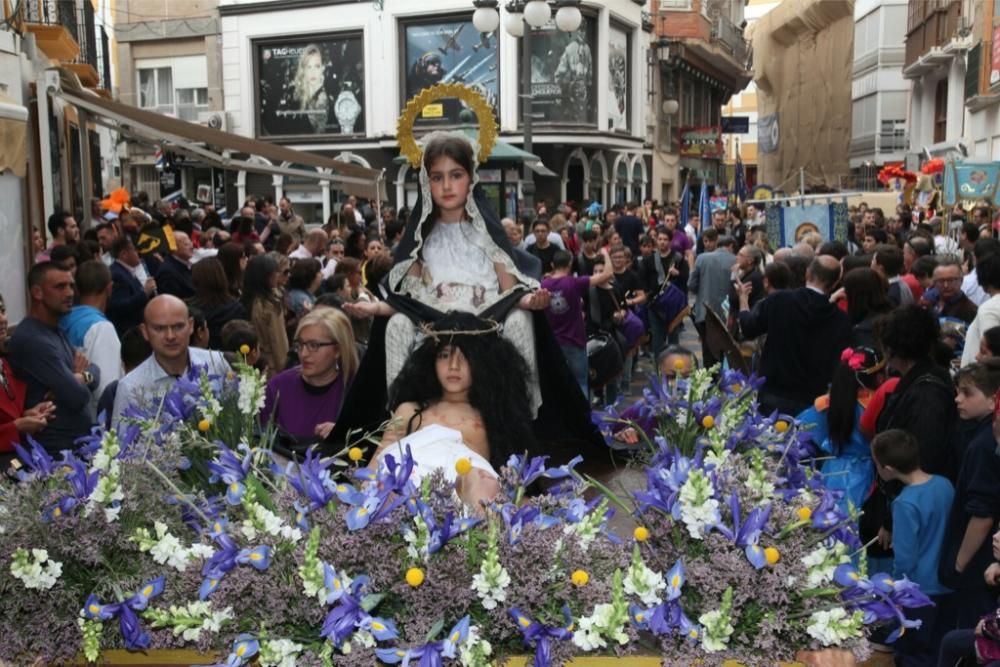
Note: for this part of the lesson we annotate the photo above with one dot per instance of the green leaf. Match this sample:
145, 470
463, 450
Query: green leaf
371, 601
259, 492
435, 631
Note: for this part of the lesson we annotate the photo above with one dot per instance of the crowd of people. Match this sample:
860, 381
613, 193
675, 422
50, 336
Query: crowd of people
883, 343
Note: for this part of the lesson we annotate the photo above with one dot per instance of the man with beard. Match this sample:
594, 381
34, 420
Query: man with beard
41, 355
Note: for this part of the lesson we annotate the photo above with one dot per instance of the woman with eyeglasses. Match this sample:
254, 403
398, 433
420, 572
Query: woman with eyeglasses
304, 401
264, 303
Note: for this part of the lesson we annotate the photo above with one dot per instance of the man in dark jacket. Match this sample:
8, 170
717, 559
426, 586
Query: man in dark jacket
656, 271
128, 294
174, 276
806, 334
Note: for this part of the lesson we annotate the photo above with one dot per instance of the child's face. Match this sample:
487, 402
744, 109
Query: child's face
449, 184
453, 370
972, 402
984, 351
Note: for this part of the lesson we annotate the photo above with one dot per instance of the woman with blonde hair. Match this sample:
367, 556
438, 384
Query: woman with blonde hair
310, 78
304, 401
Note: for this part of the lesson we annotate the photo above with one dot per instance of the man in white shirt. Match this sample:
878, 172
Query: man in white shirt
167, 326
988, 314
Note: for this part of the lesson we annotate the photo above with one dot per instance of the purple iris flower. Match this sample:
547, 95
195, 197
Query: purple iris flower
136, 639
244, 648
311, 478
431, 654
349, 614
517, 518
541, 635
232, 470
38, 461
442, 531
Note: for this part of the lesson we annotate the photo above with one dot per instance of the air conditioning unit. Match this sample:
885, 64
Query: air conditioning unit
217, 120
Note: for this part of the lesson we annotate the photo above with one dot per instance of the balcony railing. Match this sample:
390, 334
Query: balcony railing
78, 20
731, 38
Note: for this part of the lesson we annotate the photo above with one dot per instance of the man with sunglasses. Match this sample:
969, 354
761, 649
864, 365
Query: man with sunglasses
167, 327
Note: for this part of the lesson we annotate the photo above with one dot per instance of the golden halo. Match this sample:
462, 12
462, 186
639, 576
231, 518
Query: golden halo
484, 114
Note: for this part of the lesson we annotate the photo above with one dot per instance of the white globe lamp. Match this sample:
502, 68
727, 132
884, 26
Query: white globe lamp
670, 107
537, 13
486, 18
513, 23
569, 18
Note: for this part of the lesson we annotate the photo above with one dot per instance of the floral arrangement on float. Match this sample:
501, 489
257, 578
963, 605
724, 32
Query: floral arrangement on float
179, 530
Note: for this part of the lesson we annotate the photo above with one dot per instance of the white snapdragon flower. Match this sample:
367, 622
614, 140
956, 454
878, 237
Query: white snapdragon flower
279, 653
832, 627
644, 583
36, 571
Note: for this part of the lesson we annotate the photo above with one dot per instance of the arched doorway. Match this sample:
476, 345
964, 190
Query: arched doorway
575, 176
598, 179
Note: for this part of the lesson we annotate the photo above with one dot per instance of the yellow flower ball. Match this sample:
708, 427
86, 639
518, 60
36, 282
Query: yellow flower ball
679, 364
804, 513
355, 454
772, 555
580, 578
736, 388
463, 466
204, 425
781, 426
708, 421
641, 534
244, 349
414, 576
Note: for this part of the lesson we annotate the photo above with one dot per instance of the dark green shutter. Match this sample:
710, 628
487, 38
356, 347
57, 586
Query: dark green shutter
972, 71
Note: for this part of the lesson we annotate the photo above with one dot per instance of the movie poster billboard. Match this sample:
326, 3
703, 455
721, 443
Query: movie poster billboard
618, 88
310, 87
563, 76
449, 52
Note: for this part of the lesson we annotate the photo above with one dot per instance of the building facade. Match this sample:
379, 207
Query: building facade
743, 105
940, 36
879, 93
168, 57
982, 87
333, 76
703, 58
802, 68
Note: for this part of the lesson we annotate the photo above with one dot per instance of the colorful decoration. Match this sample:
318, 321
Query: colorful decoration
473, 99
117, 201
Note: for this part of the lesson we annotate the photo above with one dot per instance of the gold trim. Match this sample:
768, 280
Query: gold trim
488, 129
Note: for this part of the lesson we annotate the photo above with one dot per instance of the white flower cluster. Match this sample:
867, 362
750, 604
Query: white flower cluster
210, 406
108, 491
643, 582
251, 396
606, 621
822, 562
417, 539
361, 639
588, 528
261, 519
36, 571
491, 583
832, 627
717, 630
167, 549
279, 653
758, 482
190, 620
475, 651
699, 510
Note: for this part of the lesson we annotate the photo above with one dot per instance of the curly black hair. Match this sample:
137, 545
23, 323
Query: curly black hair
499, 388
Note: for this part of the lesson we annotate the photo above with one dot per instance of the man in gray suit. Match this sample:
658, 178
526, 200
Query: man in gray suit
710, 282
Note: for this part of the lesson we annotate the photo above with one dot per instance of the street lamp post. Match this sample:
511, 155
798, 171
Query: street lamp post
521, 17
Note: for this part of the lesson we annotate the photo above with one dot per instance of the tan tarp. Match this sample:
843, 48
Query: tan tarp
803, 52
153, 126
13, 137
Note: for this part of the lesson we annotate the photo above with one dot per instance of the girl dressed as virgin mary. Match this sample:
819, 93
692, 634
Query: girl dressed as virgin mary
455, 256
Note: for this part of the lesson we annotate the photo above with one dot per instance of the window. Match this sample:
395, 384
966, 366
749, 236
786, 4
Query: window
675, 4
940, 110
190, 102
156, 89
751, 136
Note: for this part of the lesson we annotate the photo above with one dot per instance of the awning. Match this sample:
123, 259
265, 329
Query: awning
221, 149
13, 137
504, 152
